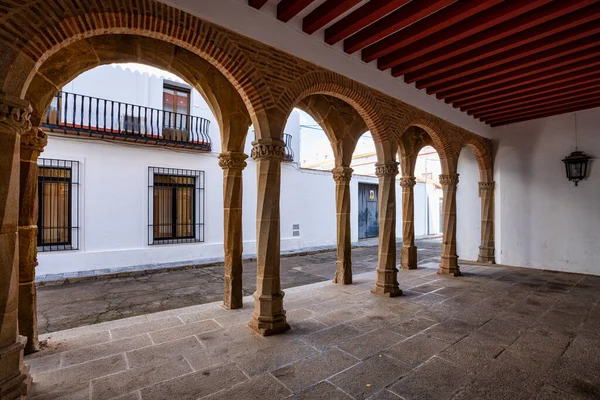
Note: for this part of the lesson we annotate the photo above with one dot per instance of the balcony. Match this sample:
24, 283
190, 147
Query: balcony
288, 153
82, 115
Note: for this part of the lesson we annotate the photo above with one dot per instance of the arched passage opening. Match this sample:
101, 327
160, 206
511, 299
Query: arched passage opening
169, 110
468, 206
344, 120
422, 195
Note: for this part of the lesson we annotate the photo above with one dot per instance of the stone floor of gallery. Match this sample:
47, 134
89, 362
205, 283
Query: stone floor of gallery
494, 333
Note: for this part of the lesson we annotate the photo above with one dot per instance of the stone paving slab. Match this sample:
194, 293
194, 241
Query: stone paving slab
539, 340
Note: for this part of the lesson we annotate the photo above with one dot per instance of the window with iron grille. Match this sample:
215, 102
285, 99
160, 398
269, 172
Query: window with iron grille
175, 206
58, 205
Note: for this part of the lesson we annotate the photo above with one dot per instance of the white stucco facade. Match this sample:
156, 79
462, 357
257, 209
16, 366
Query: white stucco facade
114, 195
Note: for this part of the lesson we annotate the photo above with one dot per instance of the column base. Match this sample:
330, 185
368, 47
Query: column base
268, 317
408, 257
449, 266
343, 273
487, 255
387, 283
27, 316
233, 295
14, 375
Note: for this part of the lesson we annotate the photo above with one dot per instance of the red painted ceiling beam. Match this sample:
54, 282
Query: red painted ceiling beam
558, 73
257, 3
326, 13
287, 9
544, 102
521, 73
538, 46
525, 88
541, 88
442, 19
358, 19
577, 86
557, 109
547, 114
477, 23
548, 17
393, 22
553, 53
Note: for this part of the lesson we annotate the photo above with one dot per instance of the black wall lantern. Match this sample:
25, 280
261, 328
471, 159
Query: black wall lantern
576, 163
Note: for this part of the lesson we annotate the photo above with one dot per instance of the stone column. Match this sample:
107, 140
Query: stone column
408, 252
14, 376
343, 265
487, 248
387, 273
232, 165
449, 264
268, 317
32, 144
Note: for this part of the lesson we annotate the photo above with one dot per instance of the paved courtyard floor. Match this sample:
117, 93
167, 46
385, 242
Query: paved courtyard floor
494, 333
88, 302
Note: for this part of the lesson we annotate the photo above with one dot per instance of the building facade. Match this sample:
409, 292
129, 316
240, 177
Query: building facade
135, 204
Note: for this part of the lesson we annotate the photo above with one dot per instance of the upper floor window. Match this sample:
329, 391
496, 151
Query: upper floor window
58, 202
176, 206
176, 105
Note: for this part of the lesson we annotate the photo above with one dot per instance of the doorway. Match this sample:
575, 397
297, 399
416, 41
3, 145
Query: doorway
368, 223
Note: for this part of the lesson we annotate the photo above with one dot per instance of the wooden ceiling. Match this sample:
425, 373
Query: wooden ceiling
501, 61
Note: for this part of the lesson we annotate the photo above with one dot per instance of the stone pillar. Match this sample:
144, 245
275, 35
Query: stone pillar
449, 264
408, 252
387, 273
487, 248
343, 265
268, 317
32, 144
232, 165
14, 376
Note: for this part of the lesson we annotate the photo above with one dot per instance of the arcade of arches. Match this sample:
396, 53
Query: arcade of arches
47, 43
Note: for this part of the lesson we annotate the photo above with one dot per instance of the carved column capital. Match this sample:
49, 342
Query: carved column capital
268, 149
232, 161
487, 185
342, 175
449, 180
390, 169
408, 181
34, 139
15, 114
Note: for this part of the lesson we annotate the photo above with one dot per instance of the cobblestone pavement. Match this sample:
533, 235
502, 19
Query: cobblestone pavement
494, 333
88, 302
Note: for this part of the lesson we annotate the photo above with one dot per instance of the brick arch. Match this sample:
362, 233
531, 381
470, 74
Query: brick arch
441, 140
224, 101
336, 85
81, 19
483, 154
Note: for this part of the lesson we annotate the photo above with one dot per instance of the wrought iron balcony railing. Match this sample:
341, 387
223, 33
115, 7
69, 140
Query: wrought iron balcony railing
288, 154
85, 115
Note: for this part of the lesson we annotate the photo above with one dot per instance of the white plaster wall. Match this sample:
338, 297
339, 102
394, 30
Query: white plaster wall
542, 220
468, 207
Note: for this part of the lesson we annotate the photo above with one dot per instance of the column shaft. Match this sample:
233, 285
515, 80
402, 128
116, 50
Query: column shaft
408, 252
232, 165
487, 248
14, 378
32, 144
449, 262
343, 270
387, 273
268, 317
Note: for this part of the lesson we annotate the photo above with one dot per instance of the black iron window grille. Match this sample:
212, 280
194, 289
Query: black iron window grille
58, 205
175, 206
288, 153
91, 116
